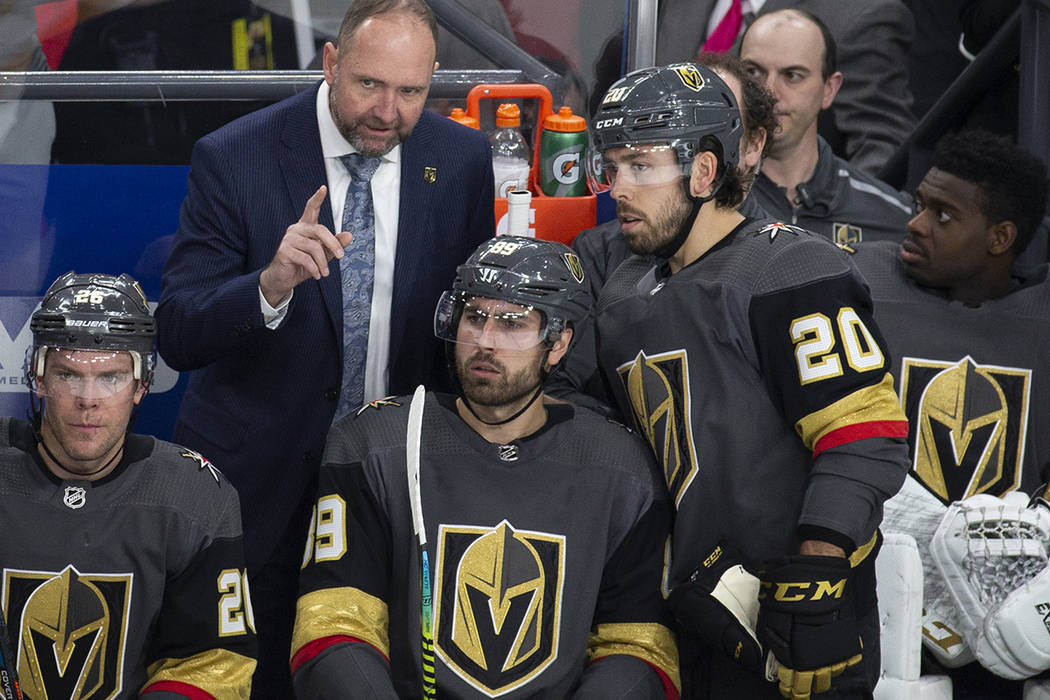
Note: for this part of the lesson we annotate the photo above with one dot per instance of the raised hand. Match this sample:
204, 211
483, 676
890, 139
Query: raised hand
304, 252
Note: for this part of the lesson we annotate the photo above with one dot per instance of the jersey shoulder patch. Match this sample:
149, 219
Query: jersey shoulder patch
202, 464
772, 229
385, 402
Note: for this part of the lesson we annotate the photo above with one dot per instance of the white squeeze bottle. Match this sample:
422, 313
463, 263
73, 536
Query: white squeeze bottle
510, 153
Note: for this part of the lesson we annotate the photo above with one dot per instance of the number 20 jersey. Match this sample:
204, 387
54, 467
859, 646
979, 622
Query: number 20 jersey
133, 582
762, 383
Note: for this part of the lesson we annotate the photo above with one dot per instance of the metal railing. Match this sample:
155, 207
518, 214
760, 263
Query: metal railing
225, 85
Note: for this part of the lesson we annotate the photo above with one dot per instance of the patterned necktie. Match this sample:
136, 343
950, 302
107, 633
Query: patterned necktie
724, 35
356, 269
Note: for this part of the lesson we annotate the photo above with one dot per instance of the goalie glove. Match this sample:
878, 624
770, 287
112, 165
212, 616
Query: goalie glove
807, 621
719, 604
992, 554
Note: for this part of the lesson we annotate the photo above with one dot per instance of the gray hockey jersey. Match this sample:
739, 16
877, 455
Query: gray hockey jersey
761, 380
132, 582
546, 556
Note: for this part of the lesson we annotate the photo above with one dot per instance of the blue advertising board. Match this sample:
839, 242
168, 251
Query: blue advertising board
88, 218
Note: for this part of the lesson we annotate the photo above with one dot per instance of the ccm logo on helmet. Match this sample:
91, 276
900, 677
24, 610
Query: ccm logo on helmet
805, 590
603, 123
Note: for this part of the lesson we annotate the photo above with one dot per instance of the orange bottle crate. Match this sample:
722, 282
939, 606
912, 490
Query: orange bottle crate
551, 218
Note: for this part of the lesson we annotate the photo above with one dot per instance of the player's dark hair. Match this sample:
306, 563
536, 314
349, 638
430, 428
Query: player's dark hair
1012, 181
362, 10
732, 190
758, 105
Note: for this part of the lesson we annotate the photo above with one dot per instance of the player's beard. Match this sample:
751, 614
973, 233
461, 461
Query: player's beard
657, 231
504, 389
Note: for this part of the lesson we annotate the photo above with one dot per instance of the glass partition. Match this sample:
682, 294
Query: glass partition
101, 102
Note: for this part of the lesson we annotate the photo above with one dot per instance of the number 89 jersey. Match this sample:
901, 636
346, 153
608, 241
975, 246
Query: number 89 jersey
765, 339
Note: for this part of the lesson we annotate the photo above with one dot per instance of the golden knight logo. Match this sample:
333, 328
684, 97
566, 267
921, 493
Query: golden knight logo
846, 234
572, 261
658, 389
498, 604
969, 424
690, 77
72, 630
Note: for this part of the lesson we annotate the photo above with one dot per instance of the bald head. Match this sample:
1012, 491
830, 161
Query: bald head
790, 52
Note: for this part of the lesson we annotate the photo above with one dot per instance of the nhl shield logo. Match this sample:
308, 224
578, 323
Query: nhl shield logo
970, 425
75, 497
690, 77
498, 604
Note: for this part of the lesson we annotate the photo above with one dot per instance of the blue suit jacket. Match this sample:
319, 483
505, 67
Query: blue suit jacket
260, 401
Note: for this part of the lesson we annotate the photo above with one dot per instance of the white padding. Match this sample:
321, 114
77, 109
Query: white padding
898, 571
1037, 690
1016, 639
926, 688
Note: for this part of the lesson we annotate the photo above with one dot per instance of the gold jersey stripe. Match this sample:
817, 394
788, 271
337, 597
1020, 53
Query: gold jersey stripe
223, 674
876, 403
861, 553
648, 641
342, 611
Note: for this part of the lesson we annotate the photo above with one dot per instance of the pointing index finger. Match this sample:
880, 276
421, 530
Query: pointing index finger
313, 206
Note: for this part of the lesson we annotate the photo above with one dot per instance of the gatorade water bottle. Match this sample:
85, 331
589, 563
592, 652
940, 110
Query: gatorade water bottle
510, 153
562, 144
458, 115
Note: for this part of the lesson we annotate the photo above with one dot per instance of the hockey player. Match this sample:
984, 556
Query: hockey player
545, 523
603, 248
970, 333
751, 362
123, 566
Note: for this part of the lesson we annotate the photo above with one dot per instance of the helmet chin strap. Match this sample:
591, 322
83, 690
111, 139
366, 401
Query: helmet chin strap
676, 243
535, 395
101, 469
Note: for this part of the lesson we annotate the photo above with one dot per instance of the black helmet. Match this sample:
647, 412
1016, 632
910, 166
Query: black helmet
529, 272
675, 105
94, 312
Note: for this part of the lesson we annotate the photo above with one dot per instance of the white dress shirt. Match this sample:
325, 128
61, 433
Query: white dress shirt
386, 198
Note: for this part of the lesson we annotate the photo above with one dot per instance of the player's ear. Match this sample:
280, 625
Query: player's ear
140, 392
560, 347
703, 173
1001, 237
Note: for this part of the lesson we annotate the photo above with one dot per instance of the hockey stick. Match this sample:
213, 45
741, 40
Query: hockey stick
8, 670
415, 428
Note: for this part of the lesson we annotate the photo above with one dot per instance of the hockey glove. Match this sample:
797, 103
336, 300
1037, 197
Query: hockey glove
806, 619
719, 604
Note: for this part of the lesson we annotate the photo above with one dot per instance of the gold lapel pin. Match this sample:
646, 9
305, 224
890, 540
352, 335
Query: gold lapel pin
430, 174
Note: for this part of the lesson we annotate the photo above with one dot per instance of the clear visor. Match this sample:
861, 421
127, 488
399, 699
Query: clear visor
636, 165
85, 374
492, 323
